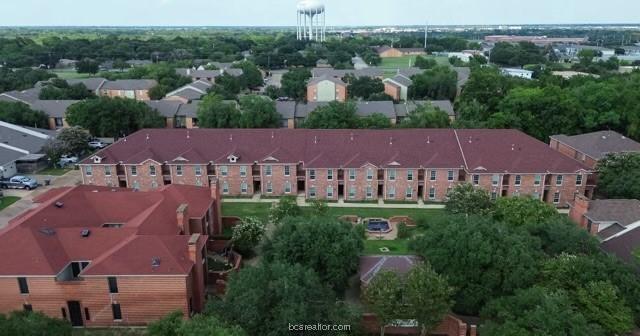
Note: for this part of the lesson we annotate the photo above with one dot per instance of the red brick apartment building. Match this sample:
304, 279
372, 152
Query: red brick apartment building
99, 256
590, 148
356, 165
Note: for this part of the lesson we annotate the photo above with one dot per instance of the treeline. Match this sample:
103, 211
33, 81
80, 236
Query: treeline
551, 105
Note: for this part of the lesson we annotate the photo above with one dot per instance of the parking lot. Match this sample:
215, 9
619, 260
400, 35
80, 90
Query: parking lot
26, 196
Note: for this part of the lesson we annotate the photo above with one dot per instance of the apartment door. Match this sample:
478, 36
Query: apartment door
75, 313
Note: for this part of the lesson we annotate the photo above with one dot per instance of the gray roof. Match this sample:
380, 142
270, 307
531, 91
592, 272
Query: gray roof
92, 84
53, 108
189, 110
287, 109
331, 72
410, 72
403, 109
7, 155
187, 93
28, 140
130, 84
463, 75
317, 80
363, 109
25, 96
598, 144
400, 80
624, 246
621, 211
166, 108
193, 73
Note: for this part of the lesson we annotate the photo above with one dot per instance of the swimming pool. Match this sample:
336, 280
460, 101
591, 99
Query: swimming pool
378, 225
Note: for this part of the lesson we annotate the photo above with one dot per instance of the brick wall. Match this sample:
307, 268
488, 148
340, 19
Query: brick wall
277, 180
400, 184
573, 153
233, 181
322, 182
441, 184
392, 90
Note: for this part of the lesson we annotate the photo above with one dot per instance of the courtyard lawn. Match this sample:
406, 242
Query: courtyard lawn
396, 247
7, 201
69, 74
391, 65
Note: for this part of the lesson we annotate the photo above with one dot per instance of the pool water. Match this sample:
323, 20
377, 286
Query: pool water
378, 225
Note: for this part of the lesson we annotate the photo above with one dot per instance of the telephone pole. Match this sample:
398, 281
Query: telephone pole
426, 34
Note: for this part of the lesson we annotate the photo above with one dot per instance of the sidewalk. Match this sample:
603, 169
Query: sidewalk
300, 200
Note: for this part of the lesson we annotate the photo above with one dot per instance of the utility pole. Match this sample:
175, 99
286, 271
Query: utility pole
426, 34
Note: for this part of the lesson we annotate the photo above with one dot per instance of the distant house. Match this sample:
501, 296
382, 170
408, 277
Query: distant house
371, 72
397, 87
139, 63
93, 84
326, 89
323, 63
137, 89
64, 63
521, 73
590, 148
389, 52
190, 92
208, 75
615, 222
20, 149
405, 108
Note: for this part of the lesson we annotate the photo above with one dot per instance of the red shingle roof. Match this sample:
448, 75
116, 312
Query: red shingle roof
45, 239
411, 148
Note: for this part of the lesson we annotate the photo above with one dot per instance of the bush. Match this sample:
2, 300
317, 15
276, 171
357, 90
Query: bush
403, 231
25, 323
247, 234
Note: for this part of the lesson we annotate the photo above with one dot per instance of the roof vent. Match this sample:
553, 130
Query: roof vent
59, 204
47, 231
85, 233
188, 135
428, 139
155, 262
147, 136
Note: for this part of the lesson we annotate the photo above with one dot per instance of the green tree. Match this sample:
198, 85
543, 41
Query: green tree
335, 115
248, 233
174, 324
536, 311
326, 245
273, 92
437, 83
520, 211
426, 116
383, 297
319, 208
427, 297
228, 86
375, 121
425, 63
294, 83
54, 151
561, 235
88, 66
287, 207
258, 112
495, 261
21, 114
158, 92
214, 112
113, 117
600, 302
26, 323
58, 89
266, 299
74, 140
619, 176
364, 87
464, 199
120, 64
251, 75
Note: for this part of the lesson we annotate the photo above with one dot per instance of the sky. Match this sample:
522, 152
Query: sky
339, 12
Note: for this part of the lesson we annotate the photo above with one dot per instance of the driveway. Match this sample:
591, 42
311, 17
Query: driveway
71, 178
276, 78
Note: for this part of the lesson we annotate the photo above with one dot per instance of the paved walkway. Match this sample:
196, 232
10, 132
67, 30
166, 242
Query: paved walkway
300, 200
26, 197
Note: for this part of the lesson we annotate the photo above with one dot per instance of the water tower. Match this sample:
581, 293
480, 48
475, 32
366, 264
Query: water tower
311, 21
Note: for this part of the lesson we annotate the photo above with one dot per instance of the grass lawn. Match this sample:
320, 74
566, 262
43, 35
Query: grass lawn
54, 171
261, 210
69, 74
398, 62
7, 201
396, 247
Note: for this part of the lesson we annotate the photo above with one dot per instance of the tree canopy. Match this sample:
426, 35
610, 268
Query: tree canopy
33, 324
174, 324
426, 116
21, 114
619, 176
464, 199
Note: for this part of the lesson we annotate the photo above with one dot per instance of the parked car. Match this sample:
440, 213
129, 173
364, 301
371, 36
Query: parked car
19, 182
97, 144
66, 160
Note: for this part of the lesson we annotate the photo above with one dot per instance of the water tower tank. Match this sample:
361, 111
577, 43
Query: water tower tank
310, 7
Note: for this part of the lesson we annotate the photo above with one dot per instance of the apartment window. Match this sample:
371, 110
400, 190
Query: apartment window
243, 171
391, 192
244, 187
269, 187
107, 170
369, 192
432, 193
352, 192
287, 170
225, 187
113, 285
134, 170
117, 312
392, 174
495, 179
433, 174
559, 179
329, 174
476, 179
352, 174
27, 307
88, 170
64, 313
450, 175
494, 195
179, 170
312, 174
312, 192
224, 170
24, 286
409, 193
538, 180
578, 180
152, 170
518, 180
198, 170
410, 175
268, 170
136, 185
369, 174
556, 198
59, 122
287, 187
87, 316
329, 192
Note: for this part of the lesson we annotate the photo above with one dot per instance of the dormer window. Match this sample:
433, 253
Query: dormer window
97, 159
232, 158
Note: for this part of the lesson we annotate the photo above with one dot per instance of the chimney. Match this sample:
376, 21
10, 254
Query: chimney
183, 218
473, 330
193, 247
216, 217
188, 71
578, 209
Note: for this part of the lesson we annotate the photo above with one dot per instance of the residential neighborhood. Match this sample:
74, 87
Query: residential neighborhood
196, 168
